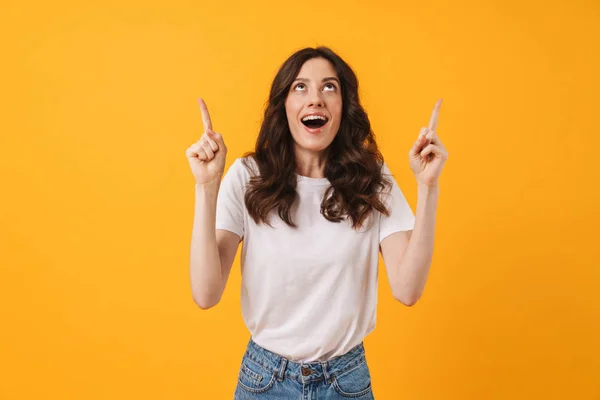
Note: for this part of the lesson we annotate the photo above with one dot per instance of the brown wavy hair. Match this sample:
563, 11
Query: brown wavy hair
354, 164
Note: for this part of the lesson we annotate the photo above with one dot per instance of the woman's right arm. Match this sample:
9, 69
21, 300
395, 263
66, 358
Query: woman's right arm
211, 251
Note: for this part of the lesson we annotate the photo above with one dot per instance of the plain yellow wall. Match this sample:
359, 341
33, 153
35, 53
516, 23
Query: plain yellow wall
98, 105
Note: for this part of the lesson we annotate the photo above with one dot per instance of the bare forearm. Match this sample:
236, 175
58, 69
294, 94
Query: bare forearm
413, 268
205, 266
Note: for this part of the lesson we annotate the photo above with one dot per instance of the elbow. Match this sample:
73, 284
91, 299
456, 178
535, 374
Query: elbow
205, 302
409, 299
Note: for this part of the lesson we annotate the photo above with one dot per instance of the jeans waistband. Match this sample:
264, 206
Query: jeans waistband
305, 372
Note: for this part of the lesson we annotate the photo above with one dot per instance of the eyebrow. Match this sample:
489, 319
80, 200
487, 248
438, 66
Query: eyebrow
329, 78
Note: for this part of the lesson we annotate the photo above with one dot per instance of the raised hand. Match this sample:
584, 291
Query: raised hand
207, 155
428, 154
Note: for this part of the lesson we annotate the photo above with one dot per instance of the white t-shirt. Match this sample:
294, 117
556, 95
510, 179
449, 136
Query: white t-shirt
308, 293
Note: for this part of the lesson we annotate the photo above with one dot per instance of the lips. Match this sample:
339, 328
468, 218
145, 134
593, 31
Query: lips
314, 122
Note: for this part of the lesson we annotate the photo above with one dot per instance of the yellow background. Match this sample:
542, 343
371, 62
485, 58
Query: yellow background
98, 105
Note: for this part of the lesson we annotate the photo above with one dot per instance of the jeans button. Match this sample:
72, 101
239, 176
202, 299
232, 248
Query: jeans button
306, 371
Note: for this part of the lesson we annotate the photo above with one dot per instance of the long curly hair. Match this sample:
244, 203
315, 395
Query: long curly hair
354, 164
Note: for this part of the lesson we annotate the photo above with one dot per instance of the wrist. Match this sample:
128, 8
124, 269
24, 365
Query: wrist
428, 188
207, 188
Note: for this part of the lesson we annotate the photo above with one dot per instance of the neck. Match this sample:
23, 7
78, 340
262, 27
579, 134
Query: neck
311, 164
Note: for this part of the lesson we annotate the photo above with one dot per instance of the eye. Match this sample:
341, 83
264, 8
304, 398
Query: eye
299, 86
330, 87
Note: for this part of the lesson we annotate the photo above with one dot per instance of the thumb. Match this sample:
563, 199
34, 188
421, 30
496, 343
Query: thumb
418, 145
216, 137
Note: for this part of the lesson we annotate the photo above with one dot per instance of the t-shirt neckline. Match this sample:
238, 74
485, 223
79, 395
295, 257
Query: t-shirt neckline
305, 180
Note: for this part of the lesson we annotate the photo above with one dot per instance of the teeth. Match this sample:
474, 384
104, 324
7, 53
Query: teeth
311, 117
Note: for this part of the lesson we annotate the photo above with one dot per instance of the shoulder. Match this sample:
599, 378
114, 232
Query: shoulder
385, 170
242, 169
388, 180
249, 164
390, 190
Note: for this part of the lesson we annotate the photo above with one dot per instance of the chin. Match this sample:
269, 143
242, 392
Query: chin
312, 148
313, 144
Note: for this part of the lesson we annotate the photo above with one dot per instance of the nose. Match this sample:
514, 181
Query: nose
315, 99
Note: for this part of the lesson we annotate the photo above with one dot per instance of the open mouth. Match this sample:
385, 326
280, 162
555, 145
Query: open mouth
314, 121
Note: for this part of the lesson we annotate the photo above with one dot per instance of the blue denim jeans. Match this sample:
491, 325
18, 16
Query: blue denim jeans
269, 376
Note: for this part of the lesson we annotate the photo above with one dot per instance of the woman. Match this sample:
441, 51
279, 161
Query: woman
313, 205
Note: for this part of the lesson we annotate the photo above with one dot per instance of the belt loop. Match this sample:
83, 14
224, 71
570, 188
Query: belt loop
281, 372
325, 374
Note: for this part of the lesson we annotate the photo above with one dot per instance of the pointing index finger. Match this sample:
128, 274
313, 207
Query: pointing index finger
205, 115
434, 115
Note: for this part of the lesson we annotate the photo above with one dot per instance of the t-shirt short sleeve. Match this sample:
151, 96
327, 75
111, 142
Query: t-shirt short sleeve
230, 200
401, 217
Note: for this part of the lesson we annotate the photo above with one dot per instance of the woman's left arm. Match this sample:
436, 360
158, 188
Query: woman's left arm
408, 254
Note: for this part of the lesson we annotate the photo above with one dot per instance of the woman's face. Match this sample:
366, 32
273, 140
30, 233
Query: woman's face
314, 106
